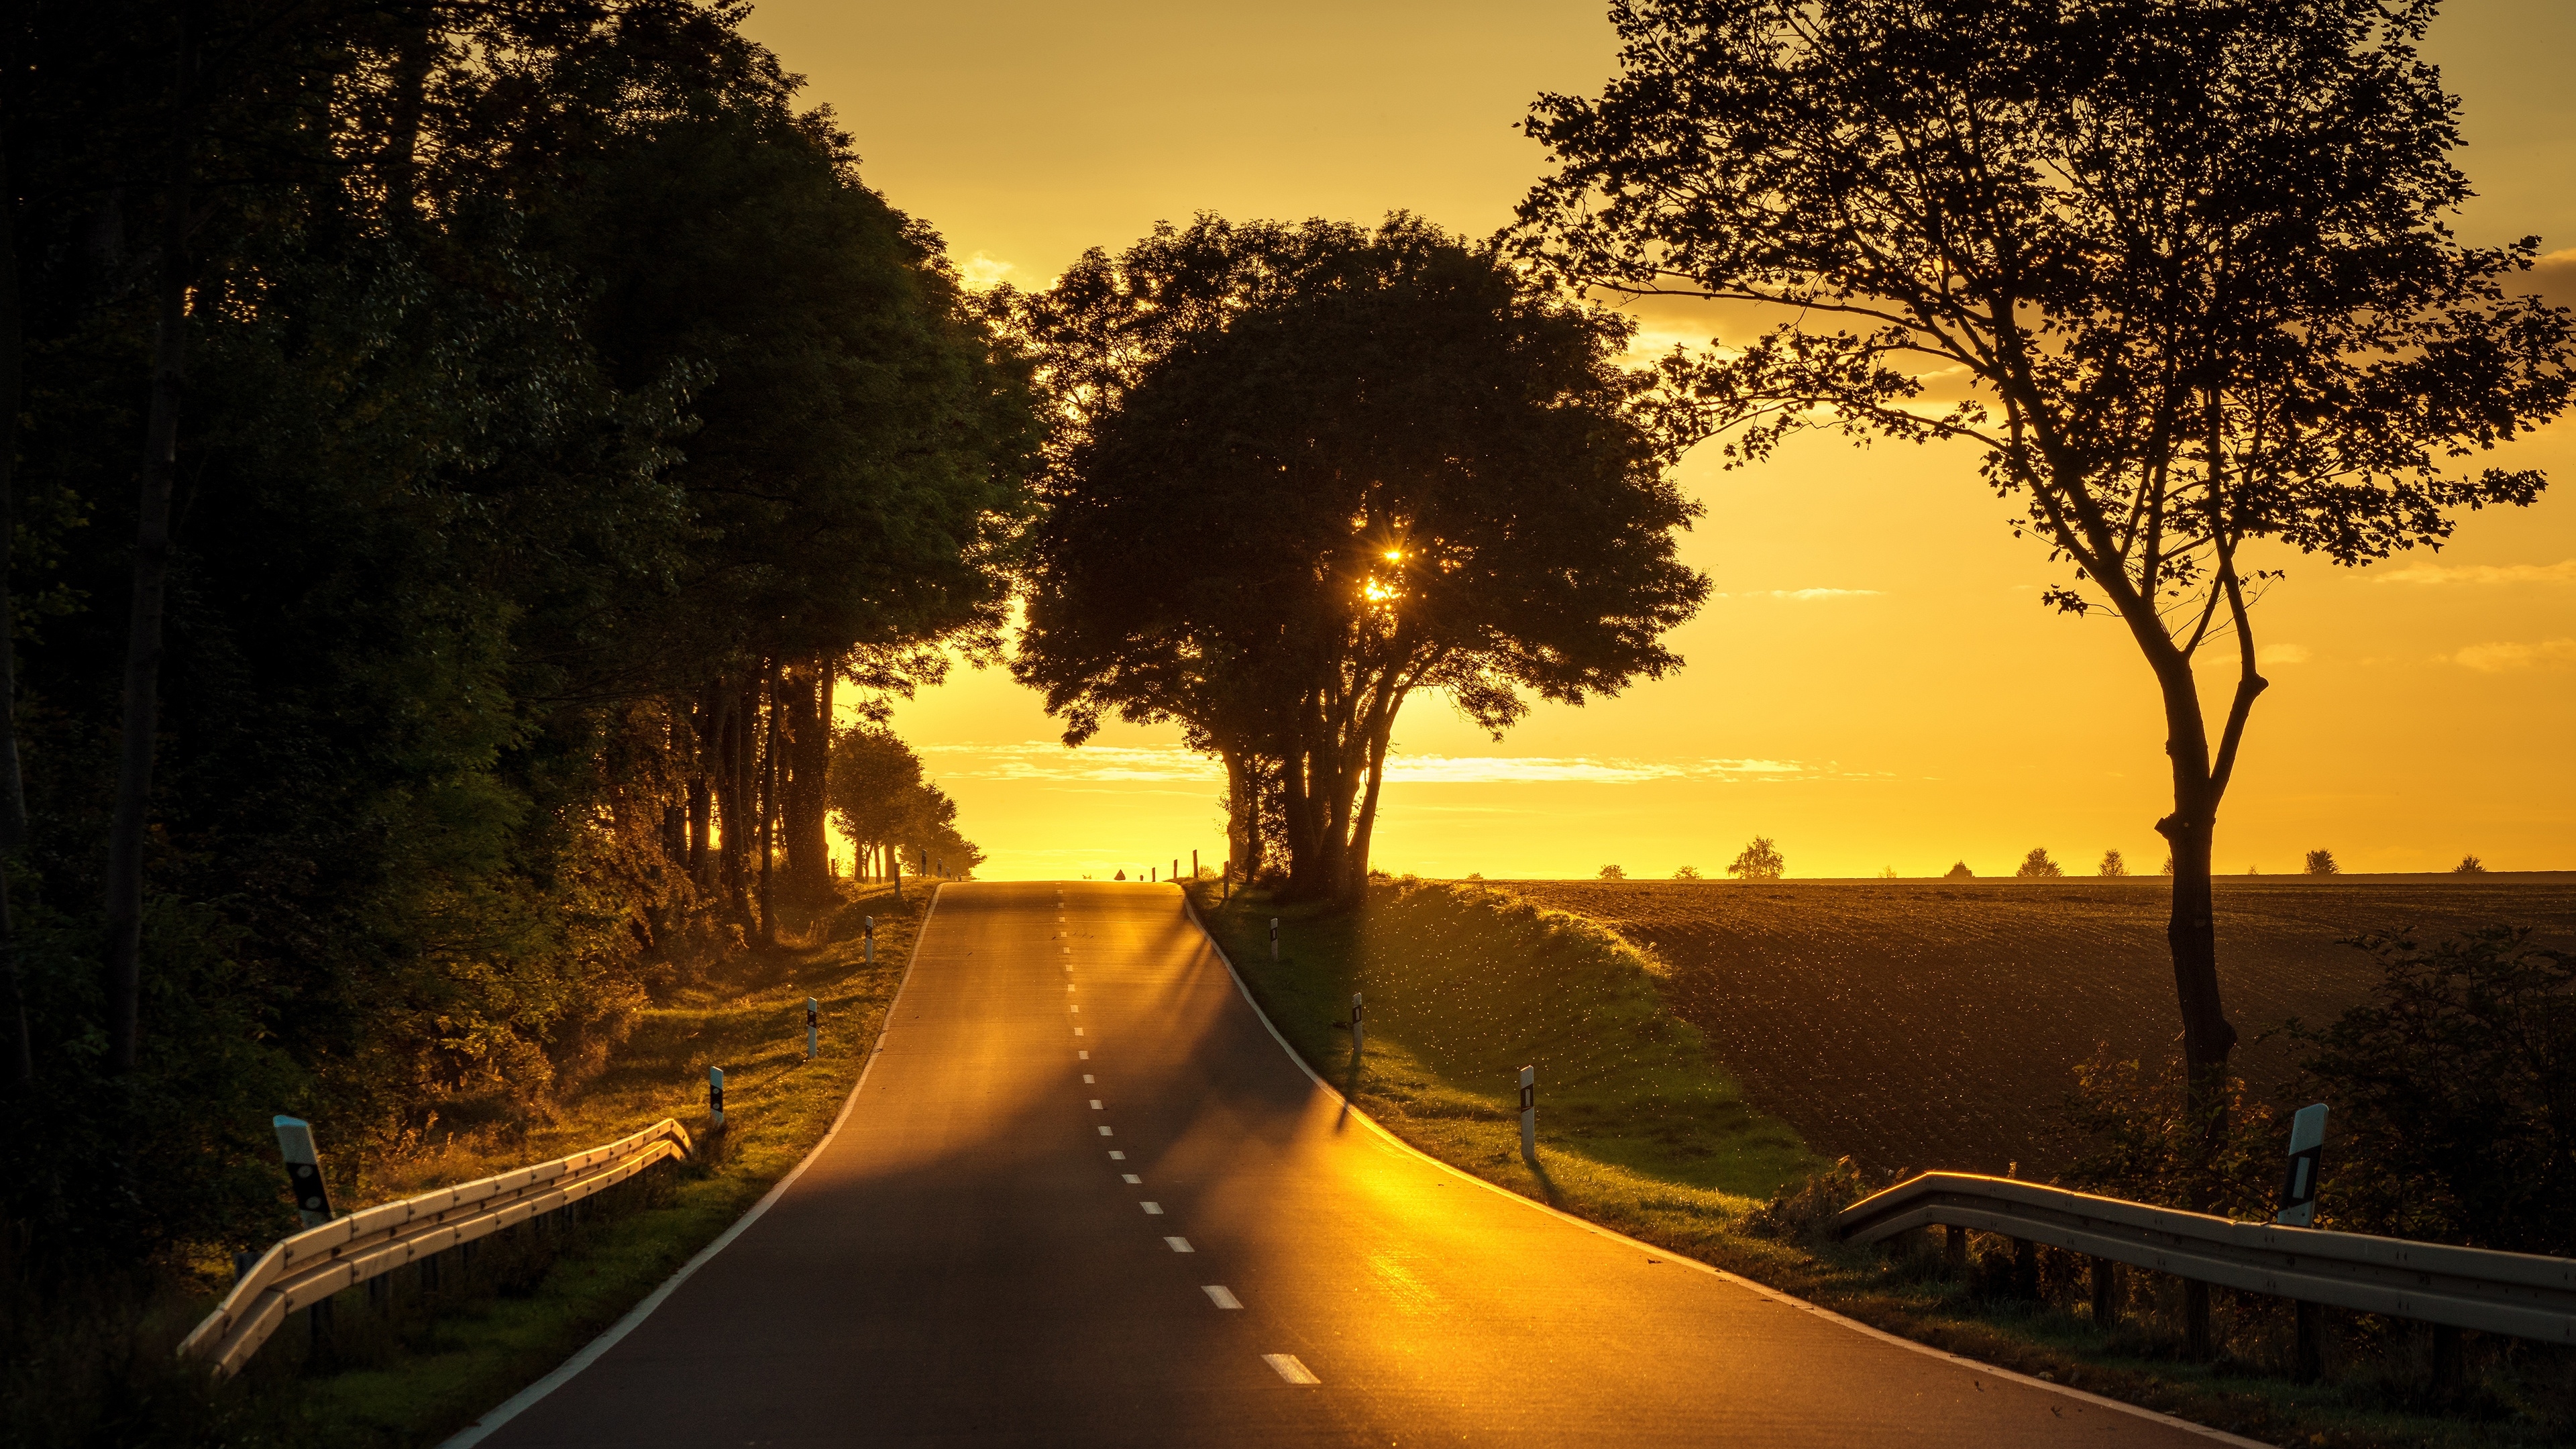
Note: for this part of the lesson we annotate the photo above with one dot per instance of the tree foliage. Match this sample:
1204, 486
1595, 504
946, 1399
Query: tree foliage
2190, 256
1759, 860
2037, 865
1307, 471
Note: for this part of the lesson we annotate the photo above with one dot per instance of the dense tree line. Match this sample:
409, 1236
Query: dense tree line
1307, 471
455, 453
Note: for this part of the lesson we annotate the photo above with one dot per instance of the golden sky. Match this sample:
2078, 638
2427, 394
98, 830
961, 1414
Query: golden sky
1875, 685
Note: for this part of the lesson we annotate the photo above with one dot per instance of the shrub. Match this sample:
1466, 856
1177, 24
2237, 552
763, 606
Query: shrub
2037, 865
1688, 872
1804, 1212
2451, 1088
2469, 865
2148, 1141
1612, 872
1760, 860
2322, 862
1959, 871
2112, 864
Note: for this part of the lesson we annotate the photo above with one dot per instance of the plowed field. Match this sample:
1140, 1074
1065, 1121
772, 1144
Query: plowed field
1937, 1024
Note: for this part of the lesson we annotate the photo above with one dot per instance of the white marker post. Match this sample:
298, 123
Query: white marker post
1359, 1030
1194, 865
1529, 1115
303, 1170
1274, 938
715, 1095
868, 941
2299, 1180
813, 1025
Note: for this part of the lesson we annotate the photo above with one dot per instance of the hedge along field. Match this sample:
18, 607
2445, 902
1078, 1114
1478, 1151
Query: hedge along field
1938, 1024
1465, 987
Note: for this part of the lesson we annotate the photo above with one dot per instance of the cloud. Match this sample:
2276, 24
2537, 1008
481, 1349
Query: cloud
1131, 766
2562, 572
2497, 658
2283, 654
1806, 595
982, 273
2553, 277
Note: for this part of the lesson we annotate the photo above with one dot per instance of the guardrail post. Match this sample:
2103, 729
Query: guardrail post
813, 1025
2106, 1293
1359, 1028
1274, 938
1954, 1250
2312, 1342
303, 1170
1529, 1115
2025, 1283
868, 941
715, 1095
2195, 1320
2447, 1368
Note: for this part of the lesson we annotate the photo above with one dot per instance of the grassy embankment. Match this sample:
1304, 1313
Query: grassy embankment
1642, 1132
421, 1376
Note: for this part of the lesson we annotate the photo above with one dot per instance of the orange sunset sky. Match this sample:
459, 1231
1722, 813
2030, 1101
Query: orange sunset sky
1875, 684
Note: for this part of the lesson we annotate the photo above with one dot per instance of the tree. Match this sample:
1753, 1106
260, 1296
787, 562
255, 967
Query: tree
2469, 865
1612, 872
2112, 864
1760, 860
1687, 872
2190, 254
1297, 485
2322, 862
2037, 865
1958, 871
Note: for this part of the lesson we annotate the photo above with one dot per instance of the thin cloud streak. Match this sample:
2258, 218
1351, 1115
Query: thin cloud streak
2497, 658
2562, 572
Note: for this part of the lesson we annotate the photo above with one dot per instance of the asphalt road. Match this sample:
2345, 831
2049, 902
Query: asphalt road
1086, 1197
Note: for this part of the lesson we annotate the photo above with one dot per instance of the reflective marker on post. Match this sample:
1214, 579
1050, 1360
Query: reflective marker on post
2299, 1180
715, 1095
1359, 1031
303, 1170
1529, 1115
813, 1022
868, 942
1274, 938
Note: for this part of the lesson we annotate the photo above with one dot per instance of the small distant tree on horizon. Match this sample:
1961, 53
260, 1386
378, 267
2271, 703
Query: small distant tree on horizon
2112, 864
1960, 871
1688, 872
2037, 865
1760, 860
2469, 865
2322, 862
1888, 874
1612, 872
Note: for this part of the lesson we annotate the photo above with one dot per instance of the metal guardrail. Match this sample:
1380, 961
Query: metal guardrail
309, 1267
2525, 1295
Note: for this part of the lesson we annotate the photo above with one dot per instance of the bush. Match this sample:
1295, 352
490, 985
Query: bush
2112, 864
2322, 862
2469, 865
1960, 871
1760, 860
1804, 1213
2150, 1144
1612, 872
1688, 872
2451, 1088
2037, 865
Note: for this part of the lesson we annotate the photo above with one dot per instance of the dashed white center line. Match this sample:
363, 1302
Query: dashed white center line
1221, 1296
1152, 1209
1077, 1031
1180, 1245
1105, 1132
1086, 1056
1095, 1102
1076, 1008
1131, 1177
1118, 1157
1290, 1369
1068, 986
1086, 1076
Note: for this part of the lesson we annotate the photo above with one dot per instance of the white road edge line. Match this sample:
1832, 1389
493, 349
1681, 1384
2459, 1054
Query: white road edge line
1220, 1295
1775, 1295
591, 1352
1290, 1369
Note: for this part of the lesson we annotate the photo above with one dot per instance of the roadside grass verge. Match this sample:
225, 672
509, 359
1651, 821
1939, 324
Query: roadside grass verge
1640, 1131
411, 1377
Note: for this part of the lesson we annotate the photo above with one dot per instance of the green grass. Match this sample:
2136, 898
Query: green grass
1641, 1132
423, 1375
1638, 1128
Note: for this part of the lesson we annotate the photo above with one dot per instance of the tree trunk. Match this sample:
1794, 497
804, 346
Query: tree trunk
1242, 813
141, 713
769, 805
13, 791
2191, 932
807, 690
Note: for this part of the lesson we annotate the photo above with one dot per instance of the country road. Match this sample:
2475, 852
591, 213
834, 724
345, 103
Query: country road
1086, 1197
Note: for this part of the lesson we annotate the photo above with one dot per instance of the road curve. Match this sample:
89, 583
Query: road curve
1078, 1147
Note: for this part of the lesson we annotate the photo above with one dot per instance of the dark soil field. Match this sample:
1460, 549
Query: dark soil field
1937, 1024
